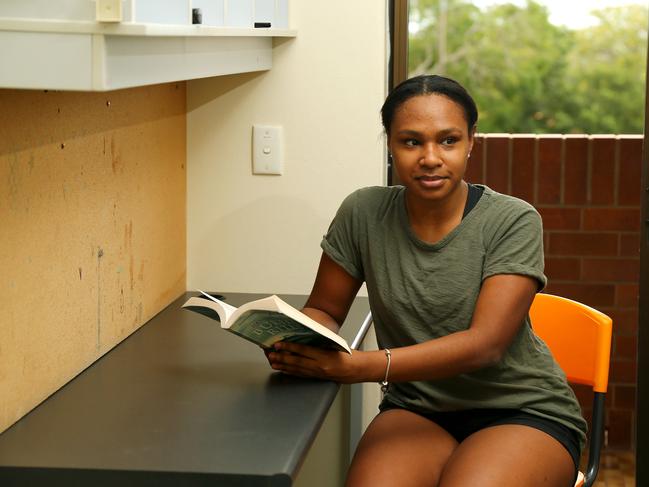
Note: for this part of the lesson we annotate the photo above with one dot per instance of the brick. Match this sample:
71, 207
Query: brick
625, 396
522, 167
583, 244
630, 171
563, 269
497, 163
608, 400
584, 394
549, 173
474, 173
594, 295
625, 347
617, 270
620, 219
625, 321
620, 423
623, 371
630, 245
602, 187
575, 172
560, 218
626, 295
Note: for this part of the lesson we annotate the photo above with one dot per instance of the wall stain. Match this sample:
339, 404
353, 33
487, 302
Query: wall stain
128, 235
100, 254
80, 274
116, 157
131, 271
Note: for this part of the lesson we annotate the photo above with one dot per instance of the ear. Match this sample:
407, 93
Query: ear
472, 133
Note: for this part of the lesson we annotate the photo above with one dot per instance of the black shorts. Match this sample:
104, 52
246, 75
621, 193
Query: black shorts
462, 424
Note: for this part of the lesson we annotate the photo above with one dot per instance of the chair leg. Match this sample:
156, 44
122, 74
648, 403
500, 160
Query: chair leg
596, 438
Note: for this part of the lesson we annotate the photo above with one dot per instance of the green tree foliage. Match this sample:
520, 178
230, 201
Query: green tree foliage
528, 75
606, 72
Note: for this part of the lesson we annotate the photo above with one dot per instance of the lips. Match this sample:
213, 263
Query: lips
430, 180
429, 177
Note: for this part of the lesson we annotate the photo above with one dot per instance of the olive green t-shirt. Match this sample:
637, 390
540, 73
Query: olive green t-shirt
420, 291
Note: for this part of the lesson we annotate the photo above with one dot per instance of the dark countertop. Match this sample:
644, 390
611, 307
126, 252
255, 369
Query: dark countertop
179, 402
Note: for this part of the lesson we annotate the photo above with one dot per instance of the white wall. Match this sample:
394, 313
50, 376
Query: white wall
262, 233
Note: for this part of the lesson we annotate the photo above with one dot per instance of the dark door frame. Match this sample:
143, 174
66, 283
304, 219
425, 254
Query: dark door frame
642, 421
398, 63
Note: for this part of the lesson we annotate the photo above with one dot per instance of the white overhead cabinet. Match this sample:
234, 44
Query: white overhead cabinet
98, 45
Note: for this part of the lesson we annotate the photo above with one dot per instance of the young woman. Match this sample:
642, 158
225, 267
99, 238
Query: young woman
473, 397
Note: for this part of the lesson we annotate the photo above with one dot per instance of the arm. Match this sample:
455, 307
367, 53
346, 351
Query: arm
500, 310
332, 295
503, 302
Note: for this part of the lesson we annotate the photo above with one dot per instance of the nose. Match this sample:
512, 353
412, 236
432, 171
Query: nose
429, 155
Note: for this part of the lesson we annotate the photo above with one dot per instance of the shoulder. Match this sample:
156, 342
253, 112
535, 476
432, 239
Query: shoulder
507, 217
372, 199
503, 206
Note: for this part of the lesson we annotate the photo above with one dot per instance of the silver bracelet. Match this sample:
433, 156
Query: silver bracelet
384, 383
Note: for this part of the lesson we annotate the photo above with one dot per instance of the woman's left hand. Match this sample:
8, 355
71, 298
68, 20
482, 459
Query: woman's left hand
307, 361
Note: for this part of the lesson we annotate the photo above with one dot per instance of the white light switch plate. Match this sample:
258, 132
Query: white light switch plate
267, 149
109, 10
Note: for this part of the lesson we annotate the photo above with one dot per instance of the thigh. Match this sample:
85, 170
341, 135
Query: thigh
400, 448
509, 454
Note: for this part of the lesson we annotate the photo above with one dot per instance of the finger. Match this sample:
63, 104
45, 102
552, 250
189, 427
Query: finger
298, 348
291, 359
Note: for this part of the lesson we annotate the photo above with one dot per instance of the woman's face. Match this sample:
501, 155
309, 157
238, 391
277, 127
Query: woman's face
430, 143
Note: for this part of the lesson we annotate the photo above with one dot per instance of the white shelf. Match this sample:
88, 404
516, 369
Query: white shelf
93, 56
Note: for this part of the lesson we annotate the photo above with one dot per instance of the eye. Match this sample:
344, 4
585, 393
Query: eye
410, 142
449, 140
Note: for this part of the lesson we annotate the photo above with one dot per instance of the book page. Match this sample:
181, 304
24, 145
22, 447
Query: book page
212, 308
228, 310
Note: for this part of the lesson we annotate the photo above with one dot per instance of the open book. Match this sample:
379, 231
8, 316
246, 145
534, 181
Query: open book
267, 321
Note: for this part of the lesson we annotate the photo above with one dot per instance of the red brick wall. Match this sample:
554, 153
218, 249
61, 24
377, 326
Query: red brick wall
587, 189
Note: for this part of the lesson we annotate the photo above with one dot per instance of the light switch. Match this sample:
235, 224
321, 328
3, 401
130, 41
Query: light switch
267, 149
109, 11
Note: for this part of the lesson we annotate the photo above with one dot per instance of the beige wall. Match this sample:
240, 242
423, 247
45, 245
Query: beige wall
92, 193
262, 233
92, 225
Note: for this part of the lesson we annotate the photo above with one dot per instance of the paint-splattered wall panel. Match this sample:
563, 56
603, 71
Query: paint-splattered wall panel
92, 229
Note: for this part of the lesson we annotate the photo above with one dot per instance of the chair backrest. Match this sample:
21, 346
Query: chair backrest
578, 336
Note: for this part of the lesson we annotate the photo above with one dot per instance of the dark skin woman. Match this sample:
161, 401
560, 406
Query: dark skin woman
430, 124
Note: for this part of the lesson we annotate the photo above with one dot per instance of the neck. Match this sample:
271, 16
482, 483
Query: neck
432, 220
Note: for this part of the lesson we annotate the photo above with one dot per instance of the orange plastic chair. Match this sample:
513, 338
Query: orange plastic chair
580, 340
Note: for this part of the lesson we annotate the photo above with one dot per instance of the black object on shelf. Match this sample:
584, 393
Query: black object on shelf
197, 16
